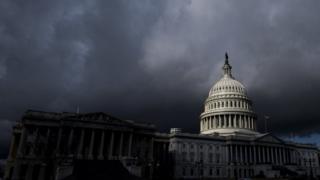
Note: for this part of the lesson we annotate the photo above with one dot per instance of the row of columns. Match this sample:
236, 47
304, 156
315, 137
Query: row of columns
228, 121
228, 104
257, 154
105, 145
66, 138
82, 143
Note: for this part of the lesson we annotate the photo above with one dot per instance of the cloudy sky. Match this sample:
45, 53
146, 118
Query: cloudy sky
155, 61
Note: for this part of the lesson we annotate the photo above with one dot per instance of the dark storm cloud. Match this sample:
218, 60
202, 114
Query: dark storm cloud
155, 61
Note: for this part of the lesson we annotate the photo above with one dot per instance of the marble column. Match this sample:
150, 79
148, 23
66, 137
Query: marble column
227, 153
111, 145
59, 141
81, 144
277, 155
254, 154
151, 148
121, 144
70, 141
259, 154
130, 145
241, 154
245, 121
207, 123
266, 151
101, 148
236, 152
213, 122
272, 158
231, 153
252, 123
250, 154
245, 154
282, 155
241, 120
265, 148
91, 144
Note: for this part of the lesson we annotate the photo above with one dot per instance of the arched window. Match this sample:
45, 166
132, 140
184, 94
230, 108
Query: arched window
222, 104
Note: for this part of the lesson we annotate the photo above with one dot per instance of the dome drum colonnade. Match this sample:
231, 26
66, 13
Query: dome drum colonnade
227, 107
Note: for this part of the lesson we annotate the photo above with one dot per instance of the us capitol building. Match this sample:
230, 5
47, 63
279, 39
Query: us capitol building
54, 146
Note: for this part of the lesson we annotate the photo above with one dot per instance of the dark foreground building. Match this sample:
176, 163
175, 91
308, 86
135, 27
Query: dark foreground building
57, 145
62, 146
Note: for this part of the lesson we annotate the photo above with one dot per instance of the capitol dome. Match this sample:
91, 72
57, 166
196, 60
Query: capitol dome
228, 110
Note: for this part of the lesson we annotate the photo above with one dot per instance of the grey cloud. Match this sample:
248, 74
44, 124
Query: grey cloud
155, 61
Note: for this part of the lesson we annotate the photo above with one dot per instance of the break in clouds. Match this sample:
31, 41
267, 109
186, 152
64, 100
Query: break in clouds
155, 61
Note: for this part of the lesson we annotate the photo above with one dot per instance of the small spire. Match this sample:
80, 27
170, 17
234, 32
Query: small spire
226, 67
227, 59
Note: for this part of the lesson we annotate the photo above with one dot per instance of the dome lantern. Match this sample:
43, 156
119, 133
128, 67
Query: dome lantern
226, 67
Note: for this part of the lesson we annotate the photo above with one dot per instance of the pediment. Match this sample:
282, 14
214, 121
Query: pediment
102, 117
269, 138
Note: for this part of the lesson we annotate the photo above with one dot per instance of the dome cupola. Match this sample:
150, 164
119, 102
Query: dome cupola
228, 110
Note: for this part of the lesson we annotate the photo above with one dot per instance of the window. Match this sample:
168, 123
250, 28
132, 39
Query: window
191, 171
201, 156
210, 172
183, 171
217, 158
210, 157
192, 156
184, 156
218, 172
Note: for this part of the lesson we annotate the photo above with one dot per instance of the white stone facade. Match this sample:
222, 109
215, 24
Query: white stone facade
229, 145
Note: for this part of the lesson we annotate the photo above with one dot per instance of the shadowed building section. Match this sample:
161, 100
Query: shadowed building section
46, 145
